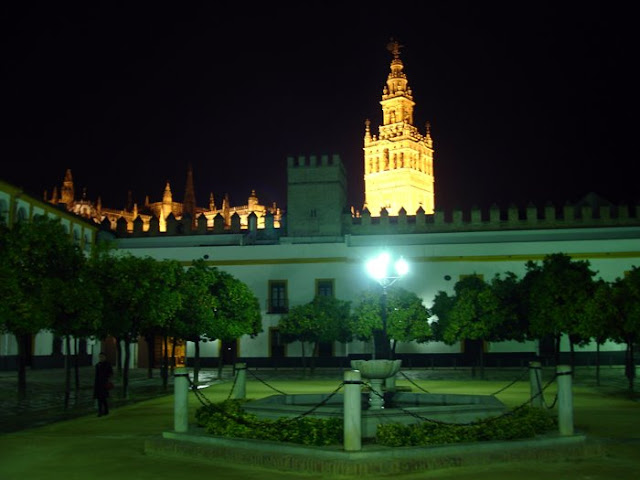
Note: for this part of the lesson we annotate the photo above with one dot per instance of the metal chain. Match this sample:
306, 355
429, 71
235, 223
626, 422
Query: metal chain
475, 422
522, 375
235, 380
323, 402
544, 402
206, 402
412, 382
265, 383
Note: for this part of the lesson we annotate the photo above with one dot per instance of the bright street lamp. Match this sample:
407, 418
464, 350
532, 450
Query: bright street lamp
385, 272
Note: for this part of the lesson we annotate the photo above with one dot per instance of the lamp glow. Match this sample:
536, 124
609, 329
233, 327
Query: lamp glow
378, 267
402, 267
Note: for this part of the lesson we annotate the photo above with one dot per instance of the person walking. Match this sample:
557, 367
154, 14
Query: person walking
102, 384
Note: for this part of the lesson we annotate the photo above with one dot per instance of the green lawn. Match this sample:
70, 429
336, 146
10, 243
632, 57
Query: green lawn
112, 447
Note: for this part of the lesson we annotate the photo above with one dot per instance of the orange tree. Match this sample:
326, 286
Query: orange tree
35, 256
407, 317
557, 292
323, 320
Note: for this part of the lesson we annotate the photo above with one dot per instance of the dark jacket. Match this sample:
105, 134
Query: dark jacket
104, 371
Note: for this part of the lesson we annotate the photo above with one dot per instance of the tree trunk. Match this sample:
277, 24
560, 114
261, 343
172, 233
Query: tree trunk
573, 355
67, 371
125, 369
481, 359
304, 360
315, 351
196, 360
165, 362
76, 367
234, 357
557, 349
150, 354
119, 356
172, 364
22, 365
630, 368
598, 363
220, 363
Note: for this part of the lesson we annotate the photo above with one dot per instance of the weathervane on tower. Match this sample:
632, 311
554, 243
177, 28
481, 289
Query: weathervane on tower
394, 47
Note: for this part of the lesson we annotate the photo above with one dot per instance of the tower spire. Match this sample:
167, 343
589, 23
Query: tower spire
398, 162
189, 203
67, 194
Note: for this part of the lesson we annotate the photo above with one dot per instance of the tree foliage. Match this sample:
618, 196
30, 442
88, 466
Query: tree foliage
407, 317
133, 299
38, 261
558, 291
324, 319
625, 300
237, 309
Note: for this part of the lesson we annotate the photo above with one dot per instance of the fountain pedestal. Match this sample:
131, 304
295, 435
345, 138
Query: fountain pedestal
376, 371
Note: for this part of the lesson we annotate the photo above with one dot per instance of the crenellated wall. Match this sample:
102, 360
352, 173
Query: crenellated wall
512, 218
531, 217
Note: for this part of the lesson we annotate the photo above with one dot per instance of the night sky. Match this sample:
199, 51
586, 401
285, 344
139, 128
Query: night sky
528, 101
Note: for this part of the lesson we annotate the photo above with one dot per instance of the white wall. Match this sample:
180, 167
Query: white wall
432, 258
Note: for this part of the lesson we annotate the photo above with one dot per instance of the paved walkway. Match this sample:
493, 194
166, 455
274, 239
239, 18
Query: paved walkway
44, 402
45, 388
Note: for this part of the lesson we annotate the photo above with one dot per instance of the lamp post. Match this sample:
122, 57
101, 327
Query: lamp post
385, 272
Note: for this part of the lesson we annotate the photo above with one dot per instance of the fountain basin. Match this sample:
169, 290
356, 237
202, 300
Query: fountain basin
403, 408
377, 369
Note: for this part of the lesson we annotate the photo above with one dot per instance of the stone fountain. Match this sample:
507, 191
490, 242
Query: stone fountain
403, 407
376, 371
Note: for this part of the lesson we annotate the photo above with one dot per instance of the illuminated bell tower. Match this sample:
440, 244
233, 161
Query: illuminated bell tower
67, 192
398, 163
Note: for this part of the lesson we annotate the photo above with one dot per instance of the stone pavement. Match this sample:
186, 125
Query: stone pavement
45, 388
44, 402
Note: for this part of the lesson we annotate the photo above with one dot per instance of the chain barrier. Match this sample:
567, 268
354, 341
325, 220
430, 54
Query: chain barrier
206, 402
235, 380
476, 422
544, 402
265, 383
522, 375
413, 383
555, 399
199, 395
313, 409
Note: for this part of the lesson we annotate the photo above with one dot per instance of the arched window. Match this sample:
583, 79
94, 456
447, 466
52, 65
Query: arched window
4, 210
21, 214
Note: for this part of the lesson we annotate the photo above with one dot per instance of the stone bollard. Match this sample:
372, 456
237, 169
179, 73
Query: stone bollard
180, 400
240, 385
352, 414
565, 400
535, 382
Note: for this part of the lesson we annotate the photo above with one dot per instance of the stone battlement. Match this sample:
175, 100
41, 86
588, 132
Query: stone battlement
582, 215
513, 218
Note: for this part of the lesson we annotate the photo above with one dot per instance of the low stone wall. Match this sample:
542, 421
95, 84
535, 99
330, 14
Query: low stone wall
372, 459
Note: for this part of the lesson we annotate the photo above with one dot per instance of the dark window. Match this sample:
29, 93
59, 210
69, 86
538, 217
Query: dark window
276, 344
278, 301
324, 288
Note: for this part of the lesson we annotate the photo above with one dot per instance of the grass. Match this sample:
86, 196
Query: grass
112, 447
